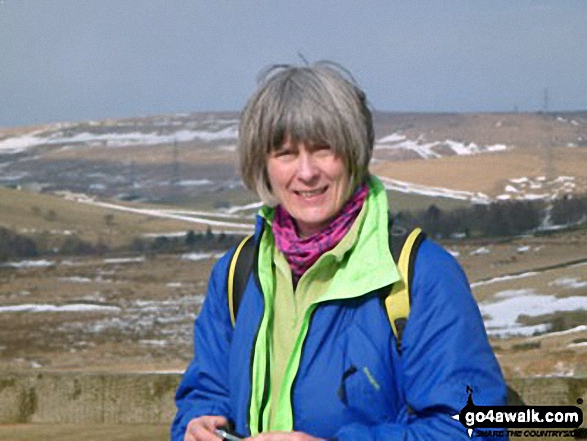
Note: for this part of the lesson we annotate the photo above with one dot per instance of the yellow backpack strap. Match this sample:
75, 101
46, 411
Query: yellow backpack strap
234, 290
397, 303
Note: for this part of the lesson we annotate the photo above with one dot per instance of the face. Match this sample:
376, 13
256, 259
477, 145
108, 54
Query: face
310, 182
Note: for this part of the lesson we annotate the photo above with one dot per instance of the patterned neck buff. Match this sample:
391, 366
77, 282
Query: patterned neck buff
302, 253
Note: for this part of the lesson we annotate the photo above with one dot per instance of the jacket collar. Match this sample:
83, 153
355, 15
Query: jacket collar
366, 242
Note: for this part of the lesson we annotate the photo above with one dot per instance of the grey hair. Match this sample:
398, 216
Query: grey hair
321, 104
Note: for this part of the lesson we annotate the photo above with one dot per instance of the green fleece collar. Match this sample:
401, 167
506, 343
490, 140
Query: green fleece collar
368, 239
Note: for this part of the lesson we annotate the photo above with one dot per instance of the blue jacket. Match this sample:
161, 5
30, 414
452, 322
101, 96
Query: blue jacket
351, 384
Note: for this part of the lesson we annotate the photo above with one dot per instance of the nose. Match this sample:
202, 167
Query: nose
308, 169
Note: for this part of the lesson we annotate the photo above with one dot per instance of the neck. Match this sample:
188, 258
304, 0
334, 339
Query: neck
304, 230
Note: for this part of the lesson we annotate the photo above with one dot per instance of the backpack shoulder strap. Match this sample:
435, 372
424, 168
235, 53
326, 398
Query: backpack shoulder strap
397, 303
241, 265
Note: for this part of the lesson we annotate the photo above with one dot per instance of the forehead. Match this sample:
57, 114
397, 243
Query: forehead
297, 143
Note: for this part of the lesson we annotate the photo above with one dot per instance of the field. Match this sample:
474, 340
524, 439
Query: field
114, 223
520, 130
101, 314
129, 314
490, 173
114, 181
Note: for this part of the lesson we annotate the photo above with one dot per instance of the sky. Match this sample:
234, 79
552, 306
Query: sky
75, 60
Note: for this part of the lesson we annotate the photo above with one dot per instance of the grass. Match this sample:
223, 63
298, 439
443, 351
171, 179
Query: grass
42, 214
415, 202
524, 130
559, 321
486, 173
213, 201
526, 346
188, 153
170, 285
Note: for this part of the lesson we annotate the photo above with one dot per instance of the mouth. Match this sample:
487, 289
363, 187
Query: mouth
309, 194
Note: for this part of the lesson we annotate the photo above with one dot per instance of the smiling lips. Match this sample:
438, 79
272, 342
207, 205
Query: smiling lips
311, 193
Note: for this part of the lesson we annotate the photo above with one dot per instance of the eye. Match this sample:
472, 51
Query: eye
321, 147
282, 152
322, 150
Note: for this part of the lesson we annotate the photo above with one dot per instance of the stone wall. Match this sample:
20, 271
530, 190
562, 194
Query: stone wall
94, 398
87, 398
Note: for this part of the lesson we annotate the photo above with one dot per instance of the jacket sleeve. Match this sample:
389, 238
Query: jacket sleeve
204, 387
445, 349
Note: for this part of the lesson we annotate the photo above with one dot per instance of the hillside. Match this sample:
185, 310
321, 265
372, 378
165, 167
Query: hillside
114, 180
56, 217
136, 314
522, 130
190, 158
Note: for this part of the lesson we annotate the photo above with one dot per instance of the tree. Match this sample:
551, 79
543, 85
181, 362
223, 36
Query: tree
431, 221
15, 245
190, 238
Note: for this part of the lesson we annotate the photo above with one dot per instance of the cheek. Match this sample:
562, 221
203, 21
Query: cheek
337, 170
271, 172
277, 177
343, 182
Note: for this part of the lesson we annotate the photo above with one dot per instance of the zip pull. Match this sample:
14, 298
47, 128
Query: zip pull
342, 388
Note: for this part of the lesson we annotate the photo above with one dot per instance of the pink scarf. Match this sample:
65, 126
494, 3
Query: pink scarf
302, 253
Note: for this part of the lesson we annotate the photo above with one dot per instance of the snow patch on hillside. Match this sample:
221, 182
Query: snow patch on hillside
408, 187
75, 279
43, 263
25, 142
254, 206
501, 314
503, 279
433, 149
138, 132
119, 260
81, 307
569, 282
194, 257
21, 143
480, 251
538, 188
194, 182
576, 329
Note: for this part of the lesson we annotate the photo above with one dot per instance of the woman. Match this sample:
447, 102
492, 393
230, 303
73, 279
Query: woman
312, 354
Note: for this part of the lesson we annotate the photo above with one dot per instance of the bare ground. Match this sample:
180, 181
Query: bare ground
156, 299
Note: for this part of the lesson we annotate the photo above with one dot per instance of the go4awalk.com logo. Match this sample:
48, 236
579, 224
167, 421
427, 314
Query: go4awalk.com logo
504, 418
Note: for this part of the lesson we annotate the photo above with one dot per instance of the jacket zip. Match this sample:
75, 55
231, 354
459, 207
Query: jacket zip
293, 384
265, 398
252, 357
